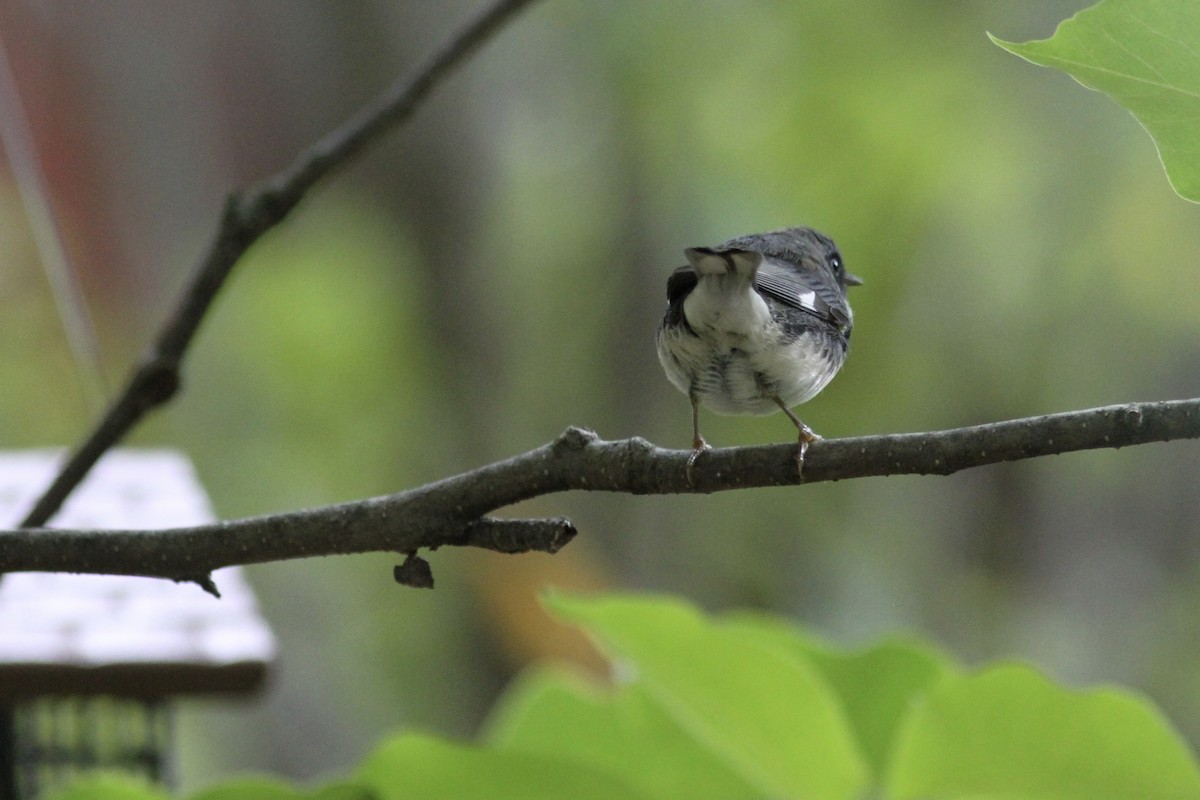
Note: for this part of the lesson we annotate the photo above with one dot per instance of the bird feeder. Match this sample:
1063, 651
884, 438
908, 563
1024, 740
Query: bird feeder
90, 665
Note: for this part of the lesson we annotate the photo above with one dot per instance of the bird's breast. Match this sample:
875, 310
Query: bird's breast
744, 377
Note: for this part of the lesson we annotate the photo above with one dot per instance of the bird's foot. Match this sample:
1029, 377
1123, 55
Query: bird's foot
807, 437
698, 446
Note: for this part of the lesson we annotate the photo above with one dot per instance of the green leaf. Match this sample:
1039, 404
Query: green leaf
412, 766
1010, 732
114, 786
765, 713
344, 791
1145, 54
877, 686
272, 789
622, 732
251, 789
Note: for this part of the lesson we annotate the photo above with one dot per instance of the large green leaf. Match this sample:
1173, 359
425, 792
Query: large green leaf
414, 766
620, 731
877, 685
271, 789
1008, 732
252, 789
764, 712
1145, 54
115, 786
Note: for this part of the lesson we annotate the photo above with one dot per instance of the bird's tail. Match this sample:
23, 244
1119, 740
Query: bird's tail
707, 261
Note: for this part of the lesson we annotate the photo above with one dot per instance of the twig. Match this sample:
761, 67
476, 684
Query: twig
453, 511
247, 217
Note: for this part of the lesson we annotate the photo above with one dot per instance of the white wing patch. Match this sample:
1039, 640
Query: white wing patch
808, 300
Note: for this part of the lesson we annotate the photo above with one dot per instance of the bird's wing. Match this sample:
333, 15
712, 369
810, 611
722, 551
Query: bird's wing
803, 290
681, 283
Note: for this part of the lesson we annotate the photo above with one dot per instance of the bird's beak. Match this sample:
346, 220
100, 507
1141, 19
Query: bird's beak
853, 280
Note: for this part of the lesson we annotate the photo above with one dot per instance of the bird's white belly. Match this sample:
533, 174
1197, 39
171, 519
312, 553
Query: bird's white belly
745, 379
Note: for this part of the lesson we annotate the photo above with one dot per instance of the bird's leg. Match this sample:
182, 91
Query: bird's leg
698, 443
807, 436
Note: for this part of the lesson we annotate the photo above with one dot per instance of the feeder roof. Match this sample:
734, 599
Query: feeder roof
64, 634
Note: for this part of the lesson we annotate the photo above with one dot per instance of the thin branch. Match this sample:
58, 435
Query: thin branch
454, 511
247, 217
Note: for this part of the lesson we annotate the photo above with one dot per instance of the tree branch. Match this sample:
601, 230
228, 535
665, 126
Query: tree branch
454, 511
246, 219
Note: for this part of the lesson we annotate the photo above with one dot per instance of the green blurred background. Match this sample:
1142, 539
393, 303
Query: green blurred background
494, 273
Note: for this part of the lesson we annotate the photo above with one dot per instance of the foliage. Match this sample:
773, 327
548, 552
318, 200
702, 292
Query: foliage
741, 706
1143, 54
111, 787
750, 705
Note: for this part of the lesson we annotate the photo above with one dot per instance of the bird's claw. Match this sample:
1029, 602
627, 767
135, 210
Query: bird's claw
699, 446
807, 437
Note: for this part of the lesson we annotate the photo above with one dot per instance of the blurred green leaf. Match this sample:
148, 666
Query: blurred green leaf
1145, 54
413, 766
877, 686
110, 787
622, 732
767, 714
252, 789
343, 791
271, 789
1010, 732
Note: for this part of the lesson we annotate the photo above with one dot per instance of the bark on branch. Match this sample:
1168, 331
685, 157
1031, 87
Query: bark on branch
456, 510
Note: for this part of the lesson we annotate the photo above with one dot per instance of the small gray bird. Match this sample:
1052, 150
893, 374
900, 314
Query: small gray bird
756, 324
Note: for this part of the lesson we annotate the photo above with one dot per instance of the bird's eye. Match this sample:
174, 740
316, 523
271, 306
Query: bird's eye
835, 261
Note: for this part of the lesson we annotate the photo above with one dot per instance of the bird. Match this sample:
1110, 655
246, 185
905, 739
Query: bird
757, 324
